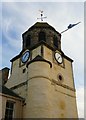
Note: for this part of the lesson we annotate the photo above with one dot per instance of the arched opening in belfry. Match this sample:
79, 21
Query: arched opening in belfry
42, 36
28, 41
55, 40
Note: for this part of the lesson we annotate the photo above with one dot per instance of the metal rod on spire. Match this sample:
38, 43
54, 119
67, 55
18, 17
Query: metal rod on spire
41, 13
70, 26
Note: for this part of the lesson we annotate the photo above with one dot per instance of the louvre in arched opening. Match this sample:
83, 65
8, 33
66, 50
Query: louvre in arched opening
55, 39
42, 36
28, 41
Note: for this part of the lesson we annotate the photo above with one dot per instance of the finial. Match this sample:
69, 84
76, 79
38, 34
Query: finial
41, 13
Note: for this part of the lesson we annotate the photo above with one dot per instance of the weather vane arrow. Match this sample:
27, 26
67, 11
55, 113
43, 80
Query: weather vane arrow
70, 26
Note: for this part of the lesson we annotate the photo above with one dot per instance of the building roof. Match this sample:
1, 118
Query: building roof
5, 90
39, 58
43, 25
5, 68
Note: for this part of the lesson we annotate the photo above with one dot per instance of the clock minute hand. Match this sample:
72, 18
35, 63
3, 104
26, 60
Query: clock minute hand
25, 56
58, 57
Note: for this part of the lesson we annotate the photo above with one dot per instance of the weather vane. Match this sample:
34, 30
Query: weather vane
41, 13
70, 26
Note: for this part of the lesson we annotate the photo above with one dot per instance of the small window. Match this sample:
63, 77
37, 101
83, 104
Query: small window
9, 110
24, 70
42, 36
28, 41
55, 41
60, 78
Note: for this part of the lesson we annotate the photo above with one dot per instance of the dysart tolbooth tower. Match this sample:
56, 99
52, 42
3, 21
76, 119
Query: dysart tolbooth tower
43, 75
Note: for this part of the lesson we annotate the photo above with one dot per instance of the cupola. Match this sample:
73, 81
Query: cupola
41, 33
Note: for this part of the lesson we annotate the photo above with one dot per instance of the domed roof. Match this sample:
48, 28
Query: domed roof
42, 25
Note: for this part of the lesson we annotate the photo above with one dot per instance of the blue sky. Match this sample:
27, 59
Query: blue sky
17, 17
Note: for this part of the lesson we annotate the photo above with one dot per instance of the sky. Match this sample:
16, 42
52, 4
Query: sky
16, 17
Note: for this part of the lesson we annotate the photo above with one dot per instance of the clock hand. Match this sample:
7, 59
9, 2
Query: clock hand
25, 56
58, 57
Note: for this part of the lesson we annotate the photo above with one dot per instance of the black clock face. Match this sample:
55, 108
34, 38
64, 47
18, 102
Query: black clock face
25, 56
58, 57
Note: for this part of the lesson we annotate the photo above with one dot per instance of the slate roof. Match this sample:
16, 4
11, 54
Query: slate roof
39, 58
42, 25
5, 90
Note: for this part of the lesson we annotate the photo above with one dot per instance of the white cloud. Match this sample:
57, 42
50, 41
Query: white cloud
10, 39
80, 101
43, 1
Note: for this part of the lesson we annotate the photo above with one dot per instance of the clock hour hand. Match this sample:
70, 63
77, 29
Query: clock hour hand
25, 56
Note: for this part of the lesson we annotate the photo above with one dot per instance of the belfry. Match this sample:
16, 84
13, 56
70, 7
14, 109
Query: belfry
42, 75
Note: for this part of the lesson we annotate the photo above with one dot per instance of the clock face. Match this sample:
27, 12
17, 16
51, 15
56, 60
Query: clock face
25, 56
58, 57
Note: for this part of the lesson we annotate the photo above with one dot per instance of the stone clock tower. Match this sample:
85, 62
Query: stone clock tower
42, 74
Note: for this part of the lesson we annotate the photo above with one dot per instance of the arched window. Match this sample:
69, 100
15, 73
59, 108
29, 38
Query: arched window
28, 41
55, 41
42, 36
